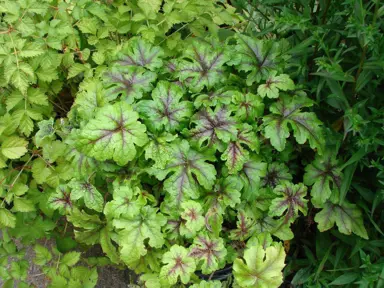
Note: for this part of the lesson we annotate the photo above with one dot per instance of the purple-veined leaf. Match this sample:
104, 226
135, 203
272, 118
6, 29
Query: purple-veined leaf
305, 125
138, 52
213, 127
135, 229
348, 218
124, 201
276, 174
85, 190
82, 164
291, 200
178, 264
189, 170
89, 98
61, 200
247, 107
202, 66
87, 227
274, 84
235, 154
226, 192
245, 226
209, 252
254, 55
128, 83
159, 149
113, 134
250, 175
166, 111
193, 218
221, 96
323, 173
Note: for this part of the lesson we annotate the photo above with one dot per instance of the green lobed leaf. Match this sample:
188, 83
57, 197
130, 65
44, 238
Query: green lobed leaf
128, 83
347, 217
212, 127
291, 200
178, 264
136, 228
113, 133
209, 251
85, 190
305, 125
254, 55
166, 111
202, 66
274, 84
138, 52
261, 268
323, 173
186, 165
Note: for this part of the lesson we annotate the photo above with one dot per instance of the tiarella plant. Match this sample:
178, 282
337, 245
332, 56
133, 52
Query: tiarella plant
167, 163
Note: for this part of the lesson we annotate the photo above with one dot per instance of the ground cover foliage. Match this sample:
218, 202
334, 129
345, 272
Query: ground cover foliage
199, 143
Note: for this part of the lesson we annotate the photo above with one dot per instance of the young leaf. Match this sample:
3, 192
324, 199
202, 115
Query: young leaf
136, 229
210, 252
305, 125
245, 226
347, 217
274, 84
292, 200
113, 134
87, 227
166, 110
202, 67
61, 200
138, 52
107, 245
247, 107
188, 168
261, 267
178, 264
321, 173
123, 202
192, 215
85, 190
90, 97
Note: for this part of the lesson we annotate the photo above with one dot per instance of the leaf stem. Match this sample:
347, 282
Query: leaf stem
22, 169
14, 49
